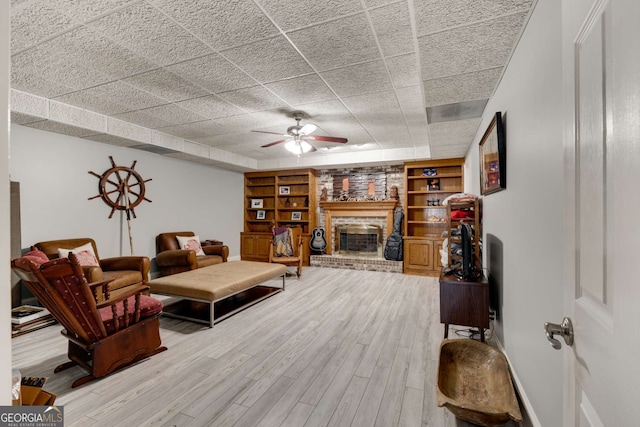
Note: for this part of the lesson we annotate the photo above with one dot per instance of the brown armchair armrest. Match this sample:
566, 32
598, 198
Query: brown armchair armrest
137, 263
177, 257
93, 273
221, 250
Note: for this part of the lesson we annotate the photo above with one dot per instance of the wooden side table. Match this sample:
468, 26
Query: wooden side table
464, 303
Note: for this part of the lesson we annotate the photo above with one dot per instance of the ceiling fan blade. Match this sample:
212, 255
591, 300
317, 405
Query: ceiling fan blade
307, 129
312, 148
273, 143
271, 133
327, 138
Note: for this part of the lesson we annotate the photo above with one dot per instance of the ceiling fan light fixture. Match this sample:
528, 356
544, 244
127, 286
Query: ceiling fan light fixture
297, 147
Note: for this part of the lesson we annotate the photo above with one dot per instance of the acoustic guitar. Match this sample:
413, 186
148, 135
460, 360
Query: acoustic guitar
318, 242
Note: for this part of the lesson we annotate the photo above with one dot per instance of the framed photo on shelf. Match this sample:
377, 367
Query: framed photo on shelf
434, 184
261, 214
284, 190
256, 203
493, 157
296, 216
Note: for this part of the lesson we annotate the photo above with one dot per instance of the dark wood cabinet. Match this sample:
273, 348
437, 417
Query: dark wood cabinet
464, 303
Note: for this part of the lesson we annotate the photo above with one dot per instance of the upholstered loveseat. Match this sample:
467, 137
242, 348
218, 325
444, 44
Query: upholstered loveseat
171, 259
125, 270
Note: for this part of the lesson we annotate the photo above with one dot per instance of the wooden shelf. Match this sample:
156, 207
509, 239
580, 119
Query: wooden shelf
423, 239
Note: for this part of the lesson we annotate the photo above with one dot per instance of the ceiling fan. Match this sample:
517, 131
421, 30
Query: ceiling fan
298, 137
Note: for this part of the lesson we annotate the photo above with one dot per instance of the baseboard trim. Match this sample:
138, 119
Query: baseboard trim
529, 416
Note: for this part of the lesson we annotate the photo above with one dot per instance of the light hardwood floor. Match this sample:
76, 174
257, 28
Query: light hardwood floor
337, 348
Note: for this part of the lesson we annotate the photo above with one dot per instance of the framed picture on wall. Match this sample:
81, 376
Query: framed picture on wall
256, 203
284, 190
493, 157
296, 216
261, 214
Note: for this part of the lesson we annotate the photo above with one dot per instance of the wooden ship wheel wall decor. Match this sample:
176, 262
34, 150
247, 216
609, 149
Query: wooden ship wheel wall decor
121, 188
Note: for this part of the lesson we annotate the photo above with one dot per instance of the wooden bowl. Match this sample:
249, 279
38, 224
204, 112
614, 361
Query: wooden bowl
474, 383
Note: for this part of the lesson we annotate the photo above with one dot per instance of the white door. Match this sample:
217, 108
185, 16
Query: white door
601, 63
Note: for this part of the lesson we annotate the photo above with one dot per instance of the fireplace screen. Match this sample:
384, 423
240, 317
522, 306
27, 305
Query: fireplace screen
358, 239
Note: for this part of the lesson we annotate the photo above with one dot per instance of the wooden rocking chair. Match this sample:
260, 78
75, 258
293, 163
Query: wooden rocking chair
286, 247
103, 336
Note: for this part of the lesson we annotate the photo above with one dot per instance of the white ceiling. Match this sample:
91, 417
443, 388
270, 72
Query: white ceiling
193, 78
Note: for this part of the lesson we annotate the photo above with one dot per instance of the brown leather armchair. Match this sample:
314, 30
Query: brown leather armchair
125, 271
171, 259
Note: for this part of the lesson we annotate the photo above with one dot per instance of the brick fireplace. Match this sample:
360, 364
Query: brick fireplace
365, 214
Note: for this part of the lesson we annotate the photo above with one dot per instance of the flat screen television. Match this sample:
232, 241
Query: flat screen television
468, 270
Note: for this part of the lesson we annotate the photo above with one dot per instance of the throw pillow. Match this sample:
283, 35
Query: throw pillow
85, 254
190, 243
38, 257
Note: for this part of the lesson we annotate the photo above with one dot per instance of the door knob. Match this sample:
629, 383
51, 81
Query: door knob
565, 329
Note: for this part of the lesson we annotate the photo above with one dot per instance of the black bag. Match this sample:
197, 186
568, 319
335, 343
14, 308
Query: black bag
394, 247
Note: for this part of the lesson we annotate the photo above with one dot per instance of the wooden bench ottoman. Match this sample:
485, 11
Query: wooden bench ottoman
225, 289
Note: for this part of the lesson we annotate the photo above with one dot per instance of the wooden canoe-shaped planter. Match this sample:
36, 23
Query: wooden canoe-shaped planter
474, 383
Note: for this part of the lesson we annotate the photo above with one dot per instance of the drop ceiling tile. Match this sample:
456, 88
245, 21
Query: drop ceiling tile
324, 44
471, 48
34, 22
143, 29
128, 130
293, 14
213, 72
324, 110
436, 15
370, 107
57, 127
113, 140
404, 70
273, 121
29, 104
269, 60
84, 10
253, 99
194, 130
166, 85
211, 107
161, 116
302, 90
412, 105
221, 24
358, 79
460, 88
393, 28
112, 98
93, 50
454, 132
29, 82
49, 62
23, 119
72, 115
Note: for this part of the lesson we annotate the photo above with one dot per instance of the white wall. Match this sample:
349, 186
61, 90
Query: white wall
55, 185
525, 220
5, 291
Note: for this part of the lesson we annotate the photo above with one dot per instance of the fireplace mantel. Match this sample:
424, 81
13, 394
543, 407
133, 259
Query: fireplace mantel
383, 208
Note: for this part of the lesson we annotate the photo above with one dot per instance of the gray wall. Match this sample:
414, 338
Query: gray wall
523, 224
55, 185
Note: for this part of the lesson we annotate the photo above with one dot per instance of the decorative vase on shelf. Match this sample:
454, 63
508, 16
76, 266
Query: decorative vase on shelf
287, 203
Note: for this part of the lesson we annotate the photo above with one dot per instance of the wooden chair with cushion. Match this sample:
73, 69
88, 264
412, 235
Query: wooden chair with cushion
125, 271
173, 257
103, 336
286, 247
